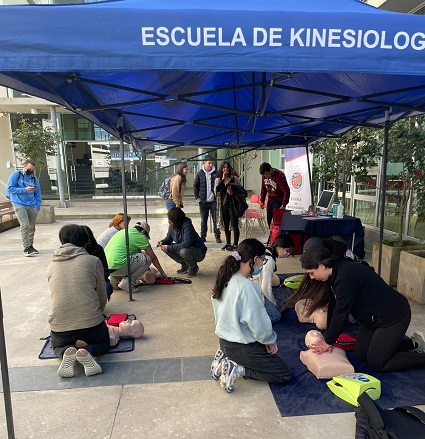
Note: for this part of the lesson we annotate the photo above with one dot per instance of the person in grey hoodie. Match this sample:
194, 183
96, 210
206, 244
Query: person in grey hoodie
182, 243
203, 188
78, 298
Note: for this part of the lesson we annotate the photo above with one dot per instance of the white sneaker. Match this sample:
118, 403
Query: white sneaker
124, 285
418, 337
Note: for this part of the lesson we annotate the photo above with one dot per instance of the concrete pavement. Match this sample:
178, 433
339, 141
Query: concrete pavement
162, 389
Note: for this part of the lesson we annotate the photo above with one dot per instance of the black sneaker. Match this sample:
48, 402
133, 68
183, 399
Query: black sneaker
183, 269
192, 272
34, 250
226, 247
29, 251
218, 240
203, 239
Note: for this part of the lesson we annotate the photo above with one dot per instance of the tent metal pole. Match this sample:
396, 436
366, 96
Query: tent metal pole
124, 202
144, 184
5, 378
382, 188
309, 172
58, 158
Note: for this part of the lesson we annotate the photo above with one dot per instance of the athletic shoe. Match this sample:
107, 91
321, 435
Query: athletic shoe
192, 272
229, 373
228, 247
29, 251
124, 285
34, 249
218, 240
183, 269
66, 369
216, 365
91, 366
418, 338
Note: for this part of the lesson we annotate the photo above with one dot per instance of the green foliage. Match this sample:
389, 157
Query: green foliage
406, 146
352, 154
32, 141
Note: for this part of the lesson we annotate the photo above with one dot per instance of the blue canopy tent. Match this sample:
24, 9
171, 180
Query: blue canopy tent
241, 74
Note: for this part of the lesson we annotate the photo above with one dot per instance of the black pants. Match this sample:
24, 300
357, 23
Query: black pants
96, 337
204, 210
188, 256
258, 363
230, 218
270, 206
385, 349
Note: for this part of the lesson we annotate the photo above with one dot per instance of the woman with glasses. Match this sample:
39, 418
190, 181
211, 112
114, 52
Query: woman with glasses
247, 341
282, 247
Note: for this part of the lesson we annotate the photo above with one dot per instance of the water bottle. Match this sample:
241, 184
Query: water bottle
335, 209
340, 211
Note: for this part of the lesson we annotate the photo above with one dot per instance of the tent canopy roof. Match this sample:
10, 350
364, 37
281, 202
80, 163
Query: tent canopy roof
219, 74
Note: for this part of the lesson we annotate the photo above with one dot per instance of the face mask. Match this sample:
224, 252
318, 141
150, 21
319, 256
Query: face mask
257, 271
29, 172
284, 254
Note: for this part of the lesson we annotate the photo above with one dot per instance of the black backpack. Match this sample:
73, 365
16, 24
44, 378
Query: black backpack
372, 422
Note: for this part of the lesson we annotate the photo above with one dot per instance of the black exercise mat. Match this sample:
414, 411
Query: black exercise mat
306, 395
124, 345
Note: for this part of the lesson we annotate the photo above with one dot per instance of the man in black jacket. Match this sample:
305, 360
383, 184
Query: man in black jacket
203, 188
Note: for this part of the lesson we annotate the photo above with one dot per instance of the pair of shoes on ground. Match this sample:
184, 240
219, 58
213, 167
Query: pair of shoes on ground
229, 247
225, 370
418, 338
217, 239
125, 285
30, 251
71, 355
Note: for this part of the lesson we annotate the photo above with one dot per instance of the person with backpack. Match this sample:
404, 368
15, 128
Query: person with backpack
23, 190
382, 312
203, 188
177, 187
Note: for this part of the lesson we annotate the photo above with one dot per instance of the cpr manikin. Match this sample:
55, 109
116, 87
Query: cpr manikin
318, 317
149, 276
328, 364
128, 328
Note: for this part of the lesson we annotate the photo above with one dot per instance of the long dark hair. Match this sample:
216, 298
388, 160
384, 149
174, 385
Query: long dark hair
248, 249
317, 291
179, 171
283, 240
231, 170
176, 216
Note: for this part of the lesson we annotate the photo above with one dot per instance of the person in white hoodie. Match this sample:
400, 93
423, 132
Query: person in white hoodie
282, 247
203, 188
247, 342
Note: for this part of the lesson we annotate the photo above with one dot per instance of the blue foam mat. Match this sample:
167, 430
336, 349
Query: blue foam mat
124, 345
306, 395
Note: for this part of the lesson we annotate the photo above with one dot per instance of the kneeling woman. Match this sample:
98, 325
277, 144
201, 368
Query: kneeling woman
78, 291
247, 341
383, 313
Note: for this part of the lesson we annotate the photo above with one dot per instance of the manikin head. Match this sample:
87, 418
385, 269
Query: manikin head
313, 336
149, 276
131, 328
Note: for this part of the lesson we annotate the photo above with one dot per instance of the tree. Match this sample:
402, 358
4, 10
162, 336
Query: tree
32, 141
352, 154
406, 146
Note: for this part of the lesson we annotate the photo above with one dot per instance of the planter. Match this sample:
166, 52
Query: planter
390, 260
46, 214
411, 275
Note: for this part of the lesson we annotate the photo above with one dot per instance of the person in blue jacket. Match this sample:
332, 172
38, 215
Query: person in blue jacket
23, 189
182, 243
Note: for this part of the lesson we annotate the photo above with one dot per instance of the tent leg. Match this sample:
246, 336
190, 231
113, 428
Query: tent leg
5, 378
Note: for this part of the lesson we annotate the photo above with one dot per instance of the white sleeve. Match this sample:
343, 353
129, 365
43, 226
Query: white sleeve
266, 277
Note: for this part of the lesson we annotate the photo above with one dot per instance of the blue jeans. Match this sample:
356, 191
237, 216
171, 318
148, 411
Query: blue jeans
169, 204
272, 311
204, 210
26, 217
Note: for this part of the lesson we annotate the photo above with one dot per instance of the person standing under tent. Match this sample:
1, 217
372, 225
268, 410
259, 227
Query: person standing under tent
177, 187
275, 187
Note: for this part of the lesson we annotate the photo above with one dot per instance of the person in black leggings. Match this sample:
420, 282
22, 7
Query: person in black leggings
225, 188
383, 313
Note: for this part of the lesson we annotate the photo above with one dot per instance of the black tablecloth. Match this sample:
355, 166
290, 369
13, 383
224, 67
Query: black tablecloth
325, 227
